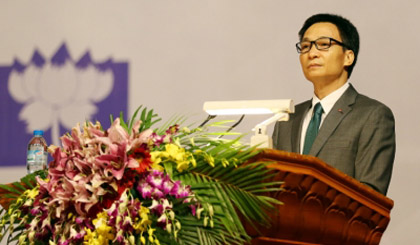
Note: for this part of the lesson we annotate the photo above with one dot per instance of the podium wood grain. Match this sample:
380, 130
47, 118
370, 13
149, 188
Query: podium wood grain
321, 205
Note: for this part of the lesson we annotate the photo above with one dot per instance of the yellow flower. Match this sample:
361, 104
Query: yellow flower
144, 222
173, 153
144, 213
102, 234
156, 157
32, 193
208, 158
152, 238
225, 162
192, 159
94, 238
105, 231
181, 166
89, 237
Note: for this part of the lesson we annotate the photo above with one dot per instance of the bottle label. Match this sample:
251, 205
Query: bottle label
36, 158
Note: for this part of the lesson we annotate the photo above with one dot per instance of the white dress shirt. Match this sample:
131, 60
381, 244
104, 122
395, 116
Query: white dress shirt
327, 104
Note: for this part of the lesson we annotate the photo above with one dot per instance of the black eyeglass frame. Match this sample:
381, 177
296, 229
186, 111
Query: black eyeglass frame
299, 49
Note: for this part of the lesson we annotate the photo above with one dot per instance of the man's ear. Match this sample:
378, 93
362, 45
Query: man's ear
349, 57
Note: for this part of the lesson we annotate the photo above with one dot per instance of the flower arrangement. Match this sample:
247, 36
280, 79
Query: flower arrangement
131, 184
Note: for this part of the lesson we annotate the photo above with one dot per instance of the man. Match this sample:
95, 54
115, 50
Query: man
349, 131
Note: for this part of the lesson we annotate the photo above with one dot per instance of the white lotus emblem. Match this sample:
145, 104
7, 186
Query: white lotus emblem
55, 95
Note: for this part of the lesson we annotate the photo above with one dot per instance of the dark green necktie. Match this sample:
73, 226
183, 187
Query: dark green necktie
313, 128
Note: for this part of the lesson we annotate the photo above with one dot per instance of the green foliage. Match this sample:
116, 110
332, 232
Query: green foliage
12, 219
223, 179
15, 189
147, 117
233, 187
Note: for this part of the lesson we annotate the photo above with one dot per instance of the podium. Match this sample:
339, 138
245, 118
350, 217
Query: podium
321, 205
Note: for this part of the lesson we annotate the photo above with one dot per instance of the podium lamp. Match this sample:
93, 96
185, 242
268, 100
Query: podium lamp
279, 109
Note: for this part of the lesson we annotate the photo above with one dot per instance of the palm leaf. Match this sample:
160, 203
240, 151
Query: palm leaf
122, 122
130, 125
235, 191
236, 188
148, 119
11, 189
228, 199
175, 119
193, 231
10, 192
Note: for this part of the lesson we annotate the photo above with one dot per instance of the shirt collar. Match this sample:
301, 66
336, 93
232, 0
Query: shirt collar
328, 102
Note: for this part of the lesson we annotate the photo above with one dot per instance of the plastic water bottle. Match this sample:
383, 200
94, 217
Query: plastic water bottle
37, 154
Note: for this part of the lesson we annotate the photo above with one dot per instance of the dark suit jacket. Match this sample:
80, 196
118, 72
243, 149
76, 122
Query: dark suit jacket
357, 137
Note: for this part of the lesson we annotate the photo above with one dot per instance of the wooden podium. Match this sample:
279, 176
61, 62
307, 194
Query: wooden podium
321, 205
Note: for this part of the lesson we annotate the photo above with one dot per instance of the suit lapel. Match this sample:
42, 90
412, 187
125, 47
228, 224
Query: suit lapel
339, 111
297, 125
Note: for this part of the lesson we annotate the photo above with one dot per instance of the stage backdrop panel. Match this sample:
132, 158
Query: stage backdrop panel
175, 55
54, 94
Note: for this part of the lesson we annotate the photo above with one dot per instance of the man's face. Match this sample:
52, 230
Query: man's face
324, 65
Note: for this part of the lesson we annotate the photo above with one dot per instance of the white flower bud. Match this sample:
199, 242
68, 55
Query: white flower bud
22, 239
172, 215
211, 211
31, 236
132, 240
178, 225
169, 227
199, 212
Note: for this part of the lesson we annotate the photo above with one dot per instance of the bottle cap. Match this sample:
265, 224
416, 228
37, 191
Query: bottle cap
38, 132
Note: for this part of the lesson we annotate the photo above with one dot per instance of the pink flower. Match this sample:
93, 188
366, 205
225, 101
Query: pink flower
167, 187
145, 189
116, 133
183, 191
156, 207
155, 179
157, 194
193, 209
175, 188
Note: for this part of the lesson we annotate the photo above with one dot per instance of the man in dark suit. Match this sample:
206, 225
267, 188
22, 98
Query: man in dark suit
347, 130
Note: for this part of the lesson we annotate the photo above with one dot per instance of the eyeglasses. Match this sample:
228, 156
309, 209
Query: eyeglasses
322, 43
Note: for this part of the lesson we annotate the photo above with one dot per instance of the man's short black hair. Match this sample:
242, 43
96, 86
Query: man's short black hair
348, 32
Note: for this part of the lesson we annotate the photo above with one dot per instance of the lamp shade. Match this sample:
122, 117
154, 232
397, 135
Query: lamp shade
240, 107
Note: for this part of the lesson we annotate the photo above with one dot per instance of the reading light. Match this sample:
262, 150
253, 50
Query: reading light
280, 109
